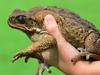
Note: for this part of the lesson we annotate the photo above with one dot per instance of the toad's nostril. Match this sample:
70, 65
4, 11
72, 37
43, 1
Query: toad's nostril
11, 19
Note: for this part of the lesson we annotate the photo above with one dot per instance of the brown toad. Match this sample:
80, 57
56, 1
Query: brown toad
79, 32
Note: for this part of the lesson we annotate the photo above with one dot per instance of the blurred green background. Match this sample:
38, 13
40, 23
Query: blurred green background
12, 40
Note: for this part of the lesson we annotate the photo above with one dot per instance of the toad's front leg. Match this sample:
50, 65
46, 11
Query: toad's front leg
45, 43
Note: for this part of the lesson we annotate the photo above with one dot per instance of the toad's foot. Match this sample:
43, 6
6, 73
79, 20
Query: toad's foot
27, 54
81, 56
88, 57
42, 67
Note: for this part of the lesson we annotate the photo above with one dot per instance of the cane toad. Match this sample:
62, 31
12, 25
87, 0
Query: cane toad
82, 34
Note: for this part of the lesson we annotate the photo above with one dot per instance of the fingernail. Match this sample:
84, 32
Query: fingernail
49, 20
50, 24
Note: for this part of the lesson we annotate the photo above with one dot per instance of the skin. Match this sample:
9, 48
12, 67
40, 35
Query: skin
66, 52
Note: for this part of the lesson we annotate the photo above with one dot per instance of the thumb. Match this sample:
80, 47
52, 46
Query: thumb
51, 24
52, 28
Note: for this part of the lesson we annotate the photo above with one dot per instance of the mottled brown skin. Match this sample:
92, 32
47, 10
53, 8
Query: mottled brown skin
79, 32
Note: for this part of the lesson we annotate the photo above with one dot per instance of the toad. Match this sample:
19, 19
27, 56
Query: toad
79, 32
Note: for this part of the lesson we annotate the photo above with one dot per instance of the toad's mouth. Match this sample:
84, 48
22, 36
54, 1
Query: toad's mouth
23, 27
13, 24
16, 26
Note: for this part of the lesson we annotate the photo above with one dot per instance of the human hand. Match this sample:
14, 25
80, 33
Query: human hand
66, 52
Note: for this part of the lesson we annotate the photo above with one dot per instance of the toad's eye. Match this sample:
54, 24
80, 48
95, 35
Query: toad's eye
20, 19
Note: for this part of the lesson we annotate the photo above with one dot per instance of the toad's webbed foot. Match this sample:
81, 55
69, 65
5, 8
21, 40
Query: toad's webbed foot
85, 56
81, 56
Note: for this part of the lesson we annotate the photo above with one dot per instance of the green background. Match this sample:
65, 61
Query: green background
12, 40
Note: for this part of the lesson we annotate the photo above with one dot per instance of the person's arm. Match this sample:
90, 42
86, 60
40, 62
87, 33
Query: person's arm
67, 52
